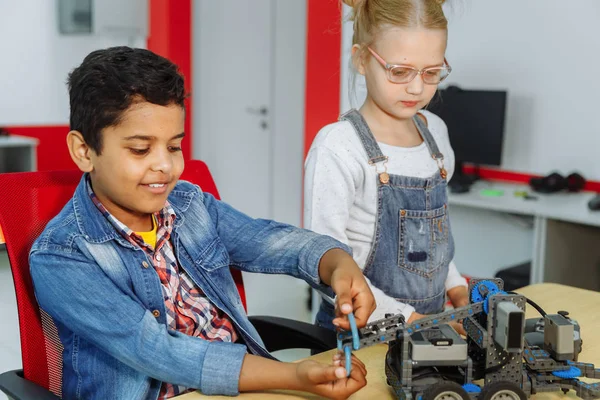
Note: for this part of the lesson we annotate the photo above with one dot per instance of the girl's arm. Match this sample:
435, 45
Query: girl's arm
456, 287
329, 190
388, 305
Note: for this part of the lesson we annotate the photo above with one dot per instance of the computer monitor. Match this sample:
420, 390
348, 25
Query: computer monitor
475, 120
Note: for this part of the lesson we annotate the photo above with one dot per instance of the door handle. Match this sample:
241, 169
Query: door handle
257, 111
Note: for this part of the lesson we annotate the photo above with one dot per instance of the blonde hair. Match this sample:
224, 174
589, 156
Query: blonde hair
371, 16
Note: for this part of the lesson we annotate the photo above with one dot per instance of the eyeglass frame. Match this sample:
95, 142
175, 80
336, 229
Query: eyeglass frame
388, 69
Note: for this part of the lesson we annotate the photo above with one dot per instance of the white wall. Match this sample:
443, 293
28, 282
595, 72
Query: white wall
35, 60
283, 148
546, 54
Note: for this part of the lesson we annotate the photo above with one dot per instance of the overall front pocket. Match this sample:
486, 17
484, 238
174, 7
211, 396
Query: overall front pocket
423, 240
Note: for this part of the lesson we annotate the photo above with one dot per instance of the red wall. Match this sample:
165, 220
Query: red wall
323, 59
170, 35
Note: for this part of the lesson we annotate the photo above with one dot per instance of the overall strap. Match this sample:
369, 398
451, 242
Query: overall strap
368, 141
366, 136
431, 145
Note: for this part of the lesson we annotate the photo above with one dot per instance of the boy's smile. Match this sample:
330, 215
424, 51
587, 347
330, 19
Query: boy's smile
139, 163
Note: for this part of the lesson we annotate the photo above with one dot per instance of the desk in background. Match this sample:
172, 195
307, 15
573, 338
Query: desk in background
557, 233
582, 304
17, 154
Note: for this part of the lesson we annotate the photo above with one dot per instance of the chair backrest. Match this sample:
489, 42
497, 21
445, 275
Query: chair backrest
28, 201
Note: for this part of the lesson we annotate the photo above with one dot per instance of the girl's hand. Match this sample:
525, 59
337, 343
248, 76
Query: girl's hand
459, 296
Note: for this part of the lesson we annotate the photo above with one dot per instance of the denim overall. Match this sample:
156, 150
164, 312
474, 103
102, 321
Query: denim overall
412, 246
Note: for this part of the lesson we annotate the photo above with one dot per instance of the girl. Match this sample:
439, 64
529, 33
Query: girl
377, 179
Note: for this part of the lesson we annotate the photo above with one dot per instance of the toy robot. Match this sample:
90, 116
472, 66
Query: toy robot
513, 358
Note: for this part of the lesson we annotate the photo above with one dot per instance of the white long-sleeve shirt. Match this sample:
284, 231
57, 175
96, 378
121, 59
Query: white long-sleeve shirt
340, 192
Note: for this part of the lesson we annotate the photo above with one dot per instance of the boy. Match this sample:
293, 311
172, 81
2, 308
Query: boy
133, 274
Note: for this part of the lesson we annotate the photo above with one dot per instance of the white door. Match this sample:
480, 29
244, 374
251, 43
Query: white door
233, 62
248, 105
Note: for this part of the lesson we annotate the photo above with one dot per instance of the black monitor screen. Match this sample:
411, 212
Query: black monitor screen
475, 120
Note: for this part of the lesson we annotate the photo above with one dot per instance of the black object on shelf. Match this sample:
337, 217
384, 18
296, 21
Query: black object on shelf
515, 277
461, 182
555, 182
594, 203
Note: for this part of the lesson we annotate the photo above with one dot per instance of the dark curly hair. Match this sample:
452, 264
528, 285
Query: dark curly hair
108, 81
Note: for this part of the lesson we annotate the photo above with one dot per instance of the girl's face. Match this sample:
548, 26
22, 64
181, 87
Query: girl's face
415, 47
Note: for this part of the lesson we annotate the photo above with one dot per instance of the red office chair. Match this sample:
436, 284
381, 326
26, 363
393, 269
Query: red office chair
27, 203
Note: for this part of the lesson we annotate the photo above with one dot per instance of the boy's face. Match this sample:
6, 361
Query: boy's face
139, 164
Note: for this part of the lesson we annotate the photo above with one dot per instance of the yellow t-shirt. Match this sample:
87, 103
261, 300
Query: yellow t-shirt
150, 236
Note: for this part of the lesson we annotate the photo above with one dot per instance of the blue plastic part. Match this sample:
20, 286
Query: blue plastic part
347, 349
476, 297
572, 372
354, 330
348, 355
486, 304
471, 388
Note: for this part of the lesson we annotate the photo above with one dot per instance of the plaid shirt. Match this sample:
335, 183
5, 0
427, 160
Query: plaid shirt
188, 310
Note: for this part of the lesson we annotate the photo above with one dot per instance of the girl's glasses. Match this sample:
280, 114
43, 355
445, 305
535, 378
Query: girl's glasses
405, 73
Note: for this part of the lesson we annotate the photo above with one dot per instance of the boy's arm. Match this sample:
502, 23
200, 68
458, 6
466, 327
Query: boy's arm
258, 245
308, 376
78, 294
265, 246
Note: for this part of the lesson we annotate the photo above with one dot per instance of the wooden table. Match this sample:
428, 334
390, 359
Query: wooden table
583, 306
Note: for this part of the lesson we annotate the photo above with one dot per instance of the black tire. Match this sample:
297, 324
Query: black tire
502, 390
445, 390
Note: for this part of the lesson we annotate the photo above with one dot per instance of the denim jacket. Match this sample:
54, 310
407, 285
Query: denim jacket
108, 307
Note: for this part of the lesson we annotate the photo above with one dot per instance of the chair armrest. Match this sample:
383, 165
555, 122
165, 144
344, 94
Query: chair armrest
18, 388
283, 333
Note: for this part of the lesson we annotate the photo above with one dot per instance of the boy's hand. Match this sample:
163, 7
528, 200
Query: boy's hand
260, 374
330, 380
338, 270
